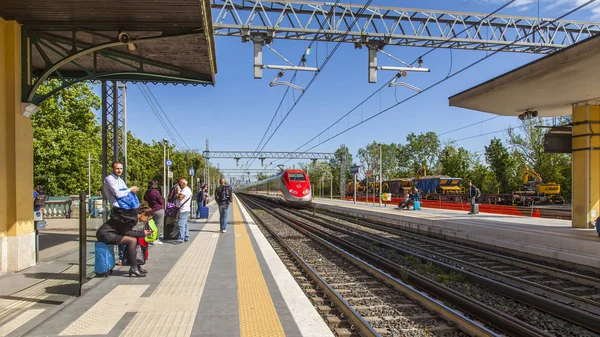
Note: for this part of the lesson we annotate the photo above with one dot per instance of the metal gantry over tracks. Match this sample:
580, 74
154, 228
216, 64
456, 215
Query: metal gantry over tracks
375, 27
262, 155
328, 22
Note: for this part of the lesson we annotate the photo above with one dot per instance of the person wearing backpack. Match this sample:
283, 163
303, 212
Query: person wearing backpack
474, 193
156, 202
199, 201
183, 203
39, 199
223, 198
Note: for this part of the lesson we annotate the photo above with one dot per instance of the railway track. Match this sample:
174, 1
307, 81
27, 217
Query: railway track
567, 295
566, 287
374, 302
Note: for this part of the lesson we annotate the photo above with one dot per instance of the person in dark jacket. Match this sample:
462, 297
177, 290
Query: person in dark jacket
199, 201
117, 232
156, 202
474, 193
224, 199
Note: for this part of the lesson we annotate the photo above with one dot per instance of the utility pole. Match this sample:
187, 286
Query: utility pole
123, 87
367, 190
89, 176
354, 188
380, 173
165, 169
331, 187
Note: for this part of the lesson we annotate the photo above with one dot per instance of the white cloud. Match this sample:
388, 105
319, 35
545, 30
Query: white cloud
522, 5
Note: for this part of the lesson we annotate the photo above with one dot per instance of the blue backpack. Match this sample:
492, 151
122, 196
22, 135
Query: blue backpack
130, 201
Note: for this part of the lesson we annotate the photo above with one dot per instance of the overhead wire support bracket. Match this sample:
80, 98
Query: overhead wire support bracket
402, 72
285, 68
262, 40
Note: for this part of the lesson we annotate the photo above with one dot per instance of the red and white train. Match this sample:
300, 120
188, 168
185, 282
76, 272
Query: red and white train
291, 187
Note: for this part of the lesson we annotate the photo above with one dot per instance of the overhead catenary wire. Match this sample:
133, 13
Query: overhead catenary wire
388, 82
329, 56
167, 117
468, 126
157, 114
547, 23
285, 94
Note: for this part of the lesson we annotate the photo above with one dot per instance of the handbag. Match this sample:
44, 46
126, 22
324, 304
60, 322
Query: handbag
130, 201
176, 210
141, 253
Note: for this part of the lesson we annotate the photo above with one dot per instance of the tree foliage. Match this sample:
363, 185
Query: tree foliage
64, 132
422, 150
66, 129
503, 165
528, 150
455, 162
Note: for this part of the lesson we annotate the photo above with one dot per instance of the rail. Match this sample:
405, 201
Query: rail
362, 257
519, 290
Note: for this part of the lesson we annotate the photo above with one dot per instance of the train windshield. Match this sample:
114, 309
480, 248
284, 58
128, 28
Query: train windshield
297, 177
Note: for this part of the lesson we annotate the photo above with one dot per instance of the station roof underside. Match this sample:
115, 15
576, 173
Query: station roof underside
550, 85
173, 39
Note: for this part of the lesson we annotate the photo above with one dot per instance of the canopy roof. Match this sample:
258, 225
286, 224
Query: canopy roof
170, 41
549, 85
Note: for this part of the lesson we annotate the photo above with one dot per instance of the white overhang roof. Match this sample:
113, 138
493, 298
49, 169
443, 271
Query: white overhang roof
549, 85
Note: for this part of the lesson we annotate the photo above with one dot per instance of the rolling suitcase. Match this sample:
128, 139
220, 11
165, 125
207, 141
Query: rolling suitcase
203, 212
171, 229
475, 209
417, 206
104, 259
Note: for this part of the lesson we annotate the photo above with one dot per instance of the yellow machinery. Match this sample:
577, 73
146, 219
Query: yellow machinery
540, 191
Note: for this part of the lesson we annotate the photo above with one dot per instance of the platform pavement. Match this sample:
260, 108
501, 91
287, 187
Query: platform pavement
230, 284
549, 239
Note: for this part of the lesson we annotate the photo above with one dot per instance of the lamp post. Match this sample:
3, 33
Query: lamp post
330, 185
165, 141
380, 173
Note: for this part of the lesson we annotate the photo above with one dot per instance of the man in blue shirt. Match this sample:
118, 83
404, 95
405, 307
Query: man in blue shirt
114, 189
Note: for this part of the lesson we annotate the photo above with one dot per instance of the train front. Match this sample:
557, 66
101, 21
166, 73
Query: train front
297, 187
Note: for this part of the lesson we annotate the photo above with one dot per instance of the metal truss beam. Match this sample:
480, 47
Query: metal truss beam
394, 26
247, 171
269, 154
113, 146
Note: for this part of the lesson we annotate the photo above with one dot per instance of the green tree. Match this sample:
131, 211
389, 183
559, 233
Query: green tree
65, 131
528, 150
423, 150
340, 165
483, 178
455, 162
503, 165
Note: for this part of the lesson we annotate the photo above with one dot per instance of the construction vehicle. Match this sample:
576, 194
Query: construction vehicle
536, 191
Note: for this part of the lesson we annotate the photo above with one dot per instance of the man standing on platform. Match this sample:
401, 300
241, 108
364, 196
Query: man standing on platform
474, 193
223, 198
183, 202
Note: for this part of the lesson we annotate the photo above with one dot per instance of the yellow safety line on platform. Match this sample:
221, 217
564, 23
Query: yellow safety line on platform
258, 316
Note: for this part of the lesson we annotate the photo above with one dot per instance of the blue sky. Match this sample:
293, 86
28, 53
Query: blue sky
235, 113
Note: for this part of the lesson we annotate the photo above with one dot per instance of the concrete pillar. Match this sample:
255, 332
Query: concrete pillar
586, 162
17, 241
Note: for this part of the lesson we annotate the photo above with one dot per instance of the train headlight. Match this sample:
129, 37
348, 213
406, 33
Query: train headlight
305, 192
293, 192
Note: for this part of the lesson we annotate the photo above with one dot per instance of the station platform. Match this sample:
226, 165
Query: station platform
542, 239
217, 284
